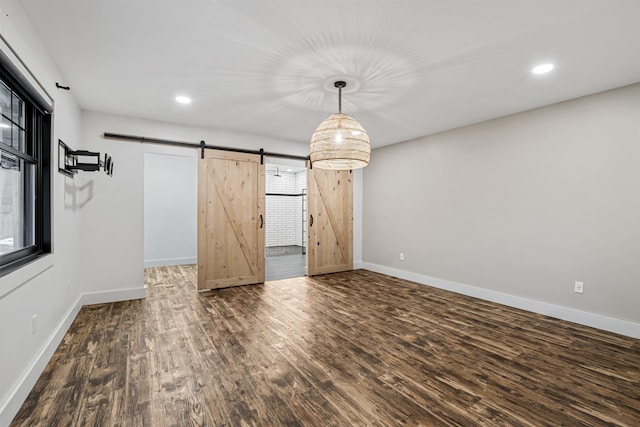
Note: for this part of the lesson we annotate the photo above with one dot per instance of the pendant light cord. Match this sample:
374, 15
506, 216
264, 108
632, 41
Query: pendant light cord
340, 84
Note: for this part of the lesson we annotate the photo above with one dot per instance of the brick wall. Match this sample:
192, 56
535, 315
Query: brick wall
283, 214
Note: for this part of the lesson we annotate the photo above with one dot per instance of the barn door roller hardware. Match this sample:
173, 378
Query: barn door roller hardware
71, 161
201, 146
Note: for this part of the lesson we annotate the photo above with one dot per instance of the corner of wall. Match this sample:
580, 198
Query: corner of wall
358, 196
113, 296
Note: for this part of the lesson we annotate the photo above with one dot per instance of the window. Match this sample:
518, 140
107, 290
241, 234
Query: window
25, 143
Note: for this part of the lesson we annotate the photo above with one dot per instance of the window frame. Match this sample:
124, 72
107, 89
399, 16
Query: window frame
36, 151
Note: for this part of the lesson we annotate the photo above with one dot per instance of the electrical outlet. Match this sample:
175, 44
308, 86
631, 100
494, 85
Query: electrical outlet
401, 256
579, 287
34, 324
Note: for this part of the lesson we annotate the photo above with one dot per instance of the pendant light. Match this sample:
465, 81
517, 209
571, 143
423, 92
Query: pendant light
340, 142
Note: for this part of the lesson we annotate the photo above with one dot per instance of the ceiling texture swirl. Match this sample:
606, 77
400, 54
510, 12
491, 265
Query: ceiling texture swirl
412, 67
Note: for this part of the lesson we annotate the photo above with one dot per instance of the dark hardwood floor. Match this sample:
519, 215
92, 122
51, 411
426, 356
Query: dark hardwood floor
346, 349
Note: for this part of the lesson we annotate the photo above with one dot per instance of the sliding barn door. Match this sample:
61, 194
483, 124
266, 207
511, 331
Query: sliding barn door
230, 220
330, 221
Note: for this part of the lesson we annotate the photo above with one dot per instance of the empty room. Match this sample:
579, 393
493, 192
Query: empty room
319, 213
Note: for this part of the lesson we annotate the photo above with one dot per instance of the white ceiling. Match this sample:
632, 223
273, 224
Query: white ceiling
267, 66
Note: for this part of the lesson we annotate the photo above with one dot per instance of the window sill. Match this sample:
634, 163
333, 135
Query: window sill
23, 274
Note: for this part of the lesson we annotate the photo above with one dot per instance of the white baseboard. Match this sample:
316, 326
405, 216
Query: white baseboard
113, 296
19, 394
169, 261
599, 321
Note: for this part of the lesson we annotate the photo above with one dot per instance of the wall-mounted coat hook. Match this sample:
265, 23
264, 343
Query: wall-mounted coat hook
59, 86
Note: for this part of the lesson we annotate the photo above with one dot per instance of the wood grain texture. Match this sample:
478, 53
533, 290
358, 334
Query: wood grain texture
230, 219
330, 232
346, 349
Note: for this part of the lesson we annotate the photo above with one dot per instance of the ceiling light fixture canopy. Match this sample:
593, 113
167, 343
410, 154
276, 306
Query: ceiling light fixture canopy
340, 142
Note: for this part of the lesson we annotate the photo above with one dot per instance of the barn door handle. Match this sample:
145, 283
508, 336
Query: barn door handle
310, 220
261, 221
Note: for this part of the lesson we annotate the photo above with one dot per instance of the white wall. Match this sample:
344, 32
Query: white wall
98, 221
113, 223
51, 286
170, 209
358, 197
519, 208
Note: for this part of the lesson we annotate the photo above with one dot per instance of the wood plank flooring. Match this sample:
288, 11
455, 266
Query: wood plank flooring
346, 349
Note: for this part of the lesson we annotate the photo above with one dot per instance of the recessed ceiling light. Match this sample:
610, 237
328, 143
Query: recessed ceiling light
542, 68
289, 170
183, 99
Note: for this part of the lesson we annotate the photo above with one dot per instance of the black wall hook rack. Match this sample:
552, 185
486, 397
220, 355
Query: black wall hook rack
71, 161
59, 86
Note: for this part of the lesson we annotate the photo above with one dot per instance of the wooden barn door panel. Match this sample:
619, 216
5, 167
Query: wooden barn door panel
230, 220
330, 221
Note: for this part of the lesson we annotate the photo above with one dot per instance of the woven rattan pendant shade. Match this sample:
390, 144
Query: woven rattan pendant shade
340, 142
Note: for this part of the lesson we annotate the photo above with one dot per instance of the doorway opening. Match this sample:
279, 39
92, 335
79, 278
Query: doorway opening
285, 219
170, 209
